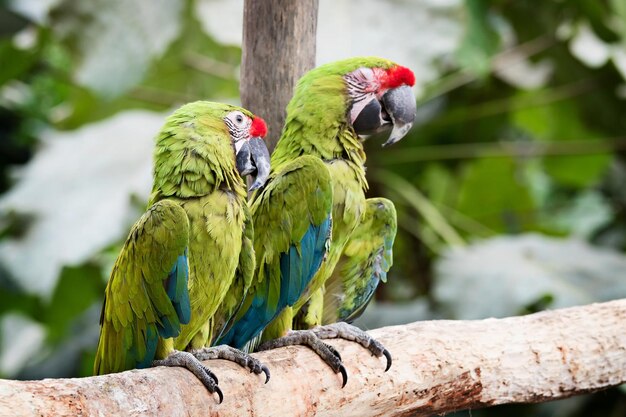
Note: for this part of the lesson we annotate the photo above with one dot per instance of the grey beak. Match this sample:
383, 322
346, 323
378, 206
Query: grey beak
400, 105
253, 157
243, 160
261, 158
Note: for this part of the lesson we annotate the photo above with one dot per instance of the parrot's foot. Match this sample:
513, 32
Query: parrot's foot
187, 360
234, 355
347, 331
308, 338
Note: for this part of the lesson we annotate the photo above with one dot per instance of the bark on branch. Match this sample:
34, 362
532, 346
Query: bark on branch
439, 366
278, 47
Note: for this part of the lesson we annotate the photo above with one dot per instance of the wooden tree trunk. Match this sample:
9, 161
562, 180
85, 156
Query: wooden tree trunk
439, 366
278, 47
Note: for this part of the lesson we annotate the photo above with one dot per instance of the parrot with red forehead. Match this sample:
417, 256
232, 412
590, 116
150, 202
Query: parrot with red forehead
314, 200
188, 262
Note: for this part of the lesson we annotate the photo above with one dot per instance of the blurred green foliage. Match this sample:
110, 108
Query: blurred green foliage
498, 158
490, 156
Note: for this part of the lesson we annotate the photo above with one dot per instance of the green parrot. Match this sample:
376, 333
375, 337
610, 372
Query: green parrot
188, 261
314, 199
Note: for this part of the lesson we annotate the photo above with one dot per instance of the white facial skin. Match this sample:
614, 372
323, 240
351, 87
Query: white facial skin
362, 84
239, 127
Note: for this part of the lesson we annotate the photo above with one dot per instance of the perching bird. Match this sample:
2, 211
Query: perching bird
189, 257
315, 197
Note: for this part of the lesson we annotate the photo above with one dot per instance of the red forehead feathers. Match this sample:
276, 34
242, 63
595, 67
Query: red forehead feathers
258, 128
397, 76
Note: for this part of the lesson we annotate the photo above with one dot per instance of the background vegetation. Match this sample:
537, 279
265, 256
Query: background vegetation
510, 188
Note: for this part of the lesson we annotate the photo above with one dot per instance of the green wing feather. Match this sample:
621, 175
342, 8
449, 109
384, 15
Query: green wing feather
365, 261
217, 226
291, 232
233, 301
137, 309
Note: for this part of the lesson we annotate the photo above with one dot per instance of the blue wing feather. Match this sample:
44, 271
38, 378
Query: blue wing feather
178, 293
252, 322
180, 290
298, 265
152, 339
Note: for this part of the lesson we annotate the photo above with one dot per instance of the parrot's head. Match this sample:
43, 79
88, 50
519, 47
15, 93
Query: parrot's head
368, 93
251, 155
380, 97
205, 144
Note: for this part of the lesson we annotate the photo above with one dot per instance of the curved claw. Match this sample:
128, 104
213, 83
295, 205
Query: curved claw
344, 375
191, 363
219, 393
388, 356
266, 370
211, 375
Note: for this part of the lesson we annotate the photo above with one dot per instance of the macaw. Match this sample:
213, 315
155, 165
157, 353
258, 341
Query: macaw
314, 198
189, 260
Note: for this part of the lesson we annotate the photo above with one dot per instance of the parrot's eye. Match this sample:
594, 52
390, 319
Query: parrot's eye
238, 124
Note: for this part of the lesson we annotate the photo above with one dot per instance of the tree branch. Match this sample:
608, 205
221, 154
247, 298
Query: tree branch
439, 366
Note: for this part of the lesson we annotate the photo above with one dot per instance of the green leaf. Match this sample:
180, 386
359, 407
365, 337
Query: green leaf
598, 14
560, 121
619, 11
11, 299
195, 67
114, 41
438, 183
77, 289
480, 42
492, 192
577, 171
15, 62
182, 74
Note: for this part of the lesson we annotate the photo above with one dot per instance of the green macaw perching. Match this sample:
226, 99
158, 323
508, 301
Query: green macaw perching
314, 199
187, 263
